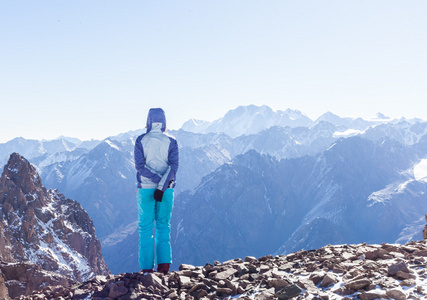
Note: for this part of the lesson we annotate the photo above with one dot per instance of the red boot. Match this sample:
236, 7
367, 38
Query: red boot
147, 271
163, 268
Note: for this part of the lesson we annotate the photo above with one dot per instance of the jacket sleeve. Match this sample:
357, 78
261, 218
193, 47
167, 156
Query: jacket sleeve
173, 161
140, 166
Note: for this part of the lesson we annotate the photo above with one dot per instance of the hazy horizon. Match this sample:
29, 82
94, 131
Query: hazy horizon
143, 126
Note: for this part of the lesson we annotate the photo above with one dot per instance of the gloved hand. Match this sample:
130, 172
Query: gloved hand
158, 195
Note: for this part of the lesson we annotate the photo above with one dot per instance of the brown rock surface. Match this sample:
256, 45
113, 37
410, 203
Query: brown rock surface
425, 231
41, 227
265, 279
23, 278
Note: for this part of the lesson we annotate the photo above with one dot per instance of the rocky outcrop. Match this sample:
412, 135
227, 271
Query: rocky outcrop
24, 278
425, 231
44, 229
387, 271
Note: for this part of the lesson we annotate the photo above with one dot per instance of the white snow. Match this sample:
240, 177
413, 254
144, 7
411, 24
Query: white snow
331, 292
420, 171
67, 258
79, 172
14, 170
112, 145
34, 195
347, 133
58, 157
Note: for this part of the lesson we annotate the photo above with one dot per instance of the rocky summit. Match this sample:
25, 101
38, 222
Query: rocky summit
356, 271
45, 238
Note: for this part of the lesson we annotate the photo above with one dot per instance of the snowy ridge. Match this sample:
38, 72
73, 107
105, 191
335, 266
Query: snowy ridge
53, 241
417, 174
54, 245
420, 171
44, 228
404, 132
251, 119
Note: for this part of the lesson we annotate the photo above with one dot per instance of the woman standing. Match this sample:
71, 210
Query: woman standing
156, 162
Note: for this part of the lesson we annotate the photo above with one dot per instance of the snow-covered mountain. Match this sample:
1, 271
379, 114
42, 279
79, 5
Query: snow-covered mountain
248, 120
257, 204
101, 180
42, 227
252, 119
36, 149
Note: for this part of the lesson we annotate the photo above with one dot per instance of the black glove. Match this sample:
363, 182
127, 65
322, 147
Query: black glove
158, 195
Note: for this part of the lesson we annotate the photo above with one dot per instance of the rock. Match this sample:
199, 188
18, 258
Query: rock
338, 270
396, 294
328, 280
241, 269
371, 295
288, 292
400, 266
186, 267
408, 282
202, 294
266, 295
358, 284
264, 268
223, 292
152, 280
316, 277
23, 278
425, 230
286, 267
402, 275
250, 259
78, 294
232, 261
117, 290
277, 274
225, 274
363, 279
308, 285
265, 258
421, 290
277, 283
421, 252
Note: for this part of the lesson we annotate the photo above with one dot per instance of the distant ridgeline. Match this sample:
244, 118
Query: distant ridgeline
254, 182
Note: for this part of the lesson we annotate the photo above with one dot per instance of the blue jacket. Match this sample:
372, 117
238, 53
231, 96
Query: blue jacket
156, 154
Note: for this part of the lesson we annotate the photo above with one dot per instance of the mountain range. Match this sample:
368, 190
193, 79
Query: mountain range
254, 182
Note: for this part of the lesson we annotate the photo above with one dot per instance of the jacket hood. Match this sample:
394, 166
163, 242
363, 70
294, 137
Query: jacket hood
156, 115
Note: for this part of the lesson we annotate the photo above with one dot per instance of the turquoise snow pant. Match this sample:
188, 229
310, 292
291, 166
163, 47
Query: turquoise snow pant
154, 214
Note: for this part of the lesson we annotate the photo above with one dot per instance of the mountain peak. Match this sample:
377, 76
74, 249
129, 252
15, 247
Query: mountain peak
247, 120
327, 116
22, 173
381, 116
194, 125
249, 109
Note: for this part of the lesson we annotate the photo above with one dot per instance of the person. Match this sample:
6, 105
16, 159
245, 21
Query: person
156, 162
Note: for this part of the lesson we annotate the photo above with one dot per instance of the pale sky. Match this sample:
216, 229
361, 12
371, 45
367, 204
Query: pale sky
92, 69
